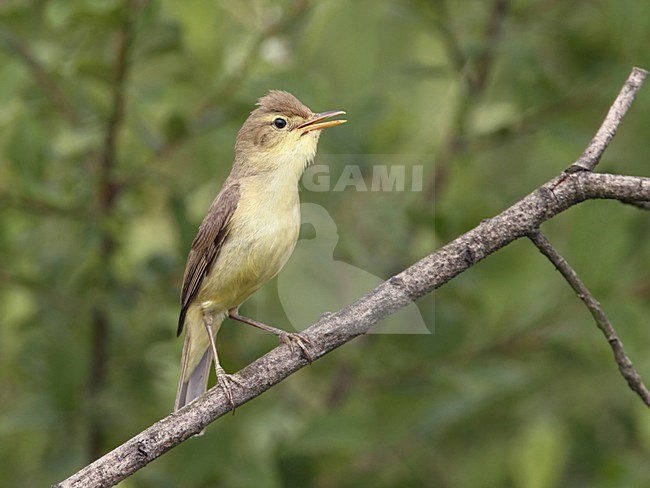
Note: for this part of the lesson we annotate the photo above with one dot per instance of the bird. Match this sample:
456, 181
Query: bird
247, 235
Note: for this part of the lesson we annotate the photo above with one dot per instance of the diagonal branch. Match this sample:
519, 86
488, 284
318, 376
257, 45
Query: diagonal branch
41, 206
591, 156
641, 205
624, 364
232, 82
42, 77
107, 192
333, 330
474, 71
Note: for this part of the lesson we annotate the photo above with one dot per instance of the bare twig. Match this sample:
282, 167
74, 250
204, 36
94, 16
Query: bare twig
51, 297
641, 205
591, 156
107, 190
493, 30
333, 330
42, 77
474, 72
624, 364
41, 206
232, 82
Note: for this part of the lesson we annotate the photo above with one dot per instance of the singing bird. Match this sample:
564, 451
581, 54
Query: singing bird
248, 233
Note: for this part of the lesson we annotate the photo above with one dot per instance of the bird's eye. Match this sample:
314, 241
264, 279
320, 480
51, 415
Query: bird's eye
279, 123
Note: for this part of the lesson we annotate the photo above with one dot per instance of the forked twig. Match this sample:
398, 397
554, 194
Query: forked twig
591, 156
624, 364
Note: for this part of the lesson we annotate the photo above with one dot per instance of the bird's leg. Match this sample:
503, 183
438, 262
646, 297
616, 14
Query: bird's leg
287, 338
223, 379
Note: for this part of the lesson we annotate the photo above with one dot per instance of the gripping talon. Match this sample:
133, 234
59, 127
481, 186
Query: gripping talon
287, 338
290, 339
225, 380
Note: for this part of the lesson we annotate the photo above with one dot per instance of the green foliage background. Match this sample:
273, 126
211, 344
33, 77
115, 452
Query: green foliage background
516, 387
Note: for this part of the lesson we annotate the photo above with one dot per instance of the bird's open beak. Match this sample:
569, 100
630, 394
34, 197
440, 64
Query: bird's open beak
318, 121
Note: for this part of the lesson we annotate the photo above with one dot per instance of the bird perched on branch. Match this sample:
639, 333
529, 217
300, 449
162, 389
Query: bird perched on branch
248, 233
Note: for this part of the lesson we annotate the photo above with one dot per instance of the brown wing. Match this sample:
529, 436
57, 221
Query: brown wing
206, 246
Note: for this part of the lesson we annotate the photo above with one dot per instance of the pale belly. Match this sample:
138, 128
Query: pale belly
254, 252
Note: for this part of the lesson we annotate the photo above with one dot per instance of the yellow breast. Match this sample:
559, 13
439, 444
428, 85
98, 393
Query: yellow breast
263, 233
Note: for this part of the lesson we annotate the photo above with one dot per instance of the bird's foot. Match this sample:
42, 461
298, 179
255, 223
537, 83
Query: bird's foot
288, 338
291, 339
225, 381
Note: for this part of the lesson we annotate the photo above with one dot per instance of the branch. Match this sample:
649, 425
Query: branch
474, 72
232, 81
333, 330
485, 61
107, 192
42, 77
624, 364
591, 156
41, 206
641, 205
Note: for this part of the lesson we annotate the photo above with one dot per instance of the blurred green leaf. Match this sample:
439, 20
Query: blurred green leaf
540, 454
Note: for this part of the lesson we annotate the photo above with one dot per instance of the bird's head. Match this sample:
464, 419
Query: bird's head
282, 132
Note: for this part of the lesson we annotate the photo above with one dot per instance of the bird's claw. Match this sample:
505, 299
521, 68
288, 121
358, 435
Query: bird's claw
299, 340
225, 381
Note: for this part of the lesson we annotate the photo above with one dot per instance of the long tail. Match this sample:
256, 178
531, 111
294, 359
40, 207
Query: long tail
197, 383
196, 360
